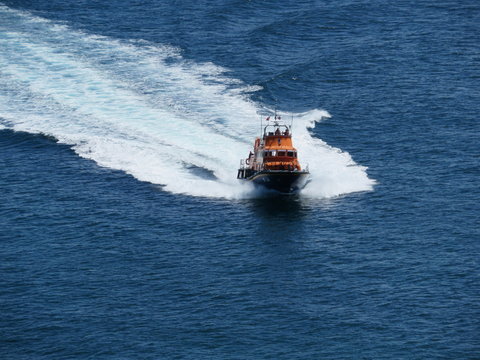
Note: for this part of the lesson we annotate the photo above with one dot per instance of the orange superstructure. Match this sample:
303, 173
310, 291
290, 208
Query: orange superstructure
275, 151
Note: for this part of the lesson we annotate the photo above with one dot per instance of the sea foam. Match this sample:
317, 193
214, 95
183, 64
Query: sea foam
143, 109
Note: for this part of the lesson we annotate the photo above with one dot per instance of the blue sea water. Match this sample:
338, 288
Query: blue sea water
125, 235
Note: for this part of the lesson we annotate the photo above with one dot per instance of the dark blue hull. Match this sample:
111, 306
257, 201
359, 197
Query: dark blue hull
283, 181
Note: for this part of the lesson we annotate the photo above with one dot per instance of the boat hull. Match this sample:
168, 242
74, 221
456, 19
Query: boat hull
283, 181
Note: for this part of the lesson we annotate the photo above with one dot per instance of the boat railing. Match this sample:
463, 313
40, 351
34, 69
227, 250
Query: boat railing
256, 166
276, 130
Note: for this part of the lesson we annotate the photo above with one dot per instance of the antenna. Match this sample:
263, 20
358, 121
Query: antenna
261, 125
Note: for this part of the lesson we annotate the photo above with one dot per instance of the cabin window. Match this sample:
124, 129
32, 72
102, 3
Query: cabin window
273, 153
290, 153
281, 153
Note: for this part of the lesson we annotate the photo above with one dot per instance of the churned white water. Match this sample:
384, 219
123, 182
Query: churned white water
145, 110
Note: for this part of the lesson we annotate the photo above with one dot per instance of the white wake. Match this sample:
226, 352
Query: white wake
145, 110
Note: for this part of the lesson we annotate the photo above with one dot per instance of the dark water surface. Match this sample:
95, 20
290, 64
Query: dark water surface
96, 264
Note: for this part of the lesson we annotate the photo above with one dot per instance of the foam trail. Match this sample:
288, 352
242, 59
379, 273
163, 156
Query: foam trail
143, 109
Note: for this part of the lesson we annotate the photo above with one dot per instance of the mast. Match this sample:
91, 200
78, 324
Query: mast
261, 125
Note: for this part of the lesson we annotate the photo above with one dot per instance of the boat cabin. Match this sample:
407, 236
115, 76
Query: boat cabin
275, 150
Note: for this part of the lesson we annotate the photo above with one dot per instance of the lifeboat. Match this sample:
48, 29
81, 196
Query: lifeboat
273, 163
